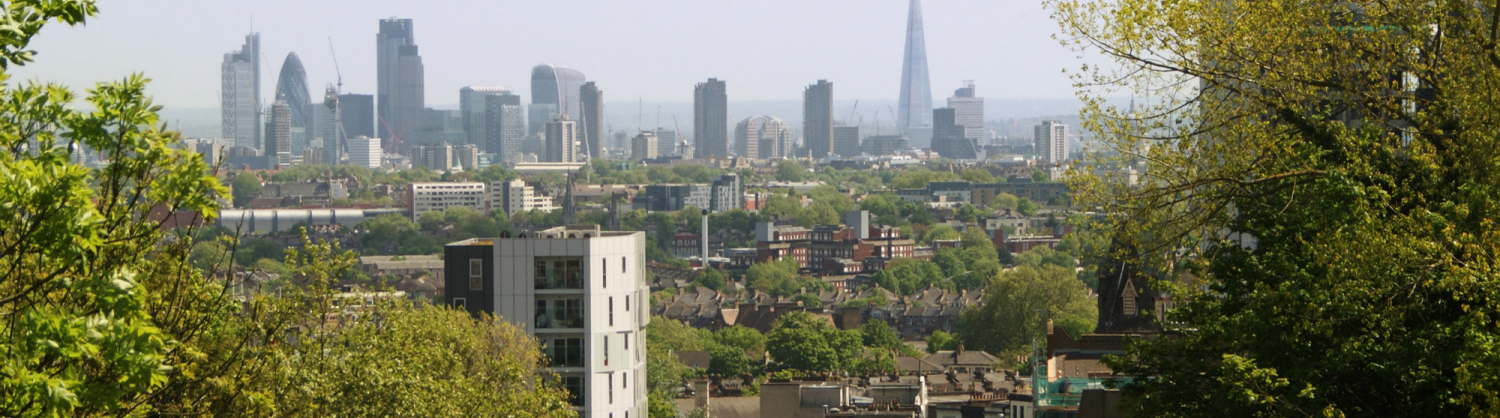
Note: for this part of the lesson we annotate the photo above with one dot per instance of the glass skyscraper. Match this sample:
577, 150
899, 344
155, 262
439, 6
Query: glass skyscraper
291, 87
399, 82
914, 110
554, 92
239, 104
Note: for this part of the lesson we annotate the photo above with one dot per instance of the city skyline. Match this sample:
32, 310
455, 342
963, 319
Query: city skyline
864, 57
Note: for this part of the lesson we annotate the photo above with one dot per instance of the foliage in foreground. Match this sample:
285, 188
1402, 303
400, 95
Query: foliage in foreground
1328, 172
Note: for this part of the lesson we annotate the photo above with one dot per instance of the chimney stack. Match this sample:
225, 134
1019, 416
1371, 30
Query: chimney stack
703, 240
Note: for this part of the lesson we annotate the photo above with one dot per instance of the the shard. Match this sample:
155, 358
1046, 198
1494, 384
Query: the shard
914, 111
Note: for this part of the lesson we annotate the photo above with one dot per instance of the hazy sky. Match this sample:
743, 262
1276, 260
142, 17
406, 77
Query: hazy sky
650, 49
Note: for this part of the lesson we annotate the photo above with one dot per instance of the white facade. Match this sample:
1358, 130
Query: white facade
582, 292
426, 197
1051, 142
516, 196
364, 151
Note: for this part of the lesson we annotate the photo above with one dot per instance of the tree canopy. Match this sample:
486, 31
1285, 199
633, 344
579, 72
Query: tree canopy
1319, 199
1017, 305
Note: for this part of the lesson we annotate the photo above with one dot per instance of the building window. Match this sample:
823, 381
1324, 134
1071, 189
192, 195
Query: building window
627, 342
574, 385
604, 271
476, 274
622, 264
566, 352
625, 382
460, 303
606, 350
611, 311
559, 274
627, 303
611, 384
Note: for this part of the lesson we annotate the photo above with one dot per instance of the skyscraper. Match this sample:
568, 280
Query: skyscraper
357, 111
554, 91
914, 110
291, 87
471, 102
279, 138
562, 136
846, 141
400, 83
1051, 142
505, 127
948, 136
591, 119
711, 119
239, 103
328, 128
968, 110
763, 137
817, 118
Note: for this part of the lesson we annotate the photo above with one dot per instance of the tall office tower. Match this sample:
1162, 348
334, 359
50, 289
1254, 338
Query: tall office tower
364, 151
328, 128
505, 127
817, 118
763, 137
643, 146
968, 111
1051, 142
581, 291
239, 103
357, 111
666, 142
622, 140
846, 141
472, 103
439, 126
591, 119
711, 119
948, 136
914, 110
554, 92
562, 137
291, 87
279, 138
400, 84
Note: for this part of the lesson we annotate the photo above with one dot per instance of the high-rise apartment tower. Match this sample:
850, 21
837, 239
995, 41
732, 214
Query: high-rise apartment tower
711, 119
817, 118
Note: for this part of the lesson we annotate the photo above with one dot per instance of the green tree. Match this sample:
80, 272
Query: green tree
788, 170
1017, 305
877, 334
777, 277
977, 175
1330, 190
818, 213
808, 299
741, 337
710, 278
1040, 176
940, 341
802, 349
905, 276
729, 361
878, 205
246, 187
941, 233
1026, 207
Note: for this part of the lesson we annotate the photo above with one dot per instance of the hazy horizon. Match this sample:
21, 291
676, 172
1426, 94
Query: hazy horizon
655, 50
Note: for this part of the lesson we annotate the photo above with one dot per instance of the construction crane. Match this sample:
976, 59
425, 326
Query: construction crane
331, 95
851, 111
679, 131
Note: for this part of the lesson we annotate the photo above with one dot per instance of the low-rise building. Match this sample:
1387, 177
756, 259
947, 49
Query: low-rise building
439, 196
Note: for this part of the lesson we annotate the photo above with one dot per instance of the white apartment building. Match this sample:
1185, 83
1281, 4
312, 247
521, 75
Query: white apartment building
1051, 142
516, 196
581, 291
426, 197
